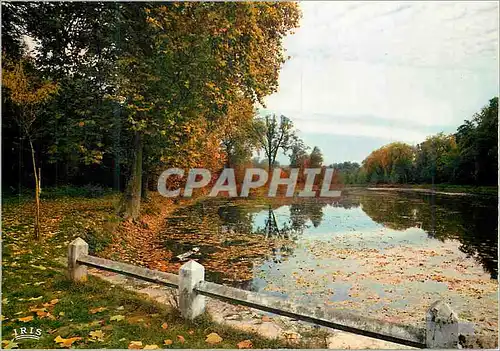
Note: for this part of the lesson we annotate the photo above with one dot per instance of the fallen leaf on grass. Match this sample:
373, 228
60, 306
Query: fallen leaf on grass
9, 344
35, 298
191, 332
136, 345
34, 309
66, 342
25, 319
96, 335
167, 342
181, 339
164, 326
97, 310
151, 347
245, 344
213, 338
53, 302
117, 318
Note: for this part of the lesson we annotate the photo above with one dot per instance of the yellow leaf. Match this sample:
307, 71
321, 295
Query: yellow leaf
97, 310
117, 318
97, 335
167, 342
38, 310
9, 344
213, 338
66, 342
151, 347
135, 345
53, 302
181, 339
26, 319
164, 326
245, 344
35, 298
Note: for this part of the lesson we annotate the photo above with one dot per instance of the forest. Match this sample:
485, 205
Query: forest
109, 95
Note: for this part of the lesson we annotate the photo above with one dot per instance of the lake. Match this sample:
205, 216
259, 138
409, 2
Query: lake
383, 254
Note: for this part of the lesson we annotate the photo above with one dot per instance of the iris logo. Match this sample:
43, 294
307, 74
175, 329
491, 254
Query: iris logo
27, 333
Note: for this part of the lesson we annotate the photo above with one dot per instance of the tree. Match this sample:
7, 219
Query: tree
349, 172
28, 92
201, 58
238, 139
390, 163
316, 158
436, 159
275, 134
477, 142
298, 155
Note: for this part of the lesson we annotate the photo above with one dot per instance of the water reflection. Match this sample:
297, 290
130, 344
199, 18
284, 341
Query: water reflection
471, 221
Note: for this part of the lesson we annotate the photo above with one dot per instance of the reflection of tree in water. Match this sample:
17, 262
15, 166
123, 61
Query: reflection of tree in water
472, 222
235, 218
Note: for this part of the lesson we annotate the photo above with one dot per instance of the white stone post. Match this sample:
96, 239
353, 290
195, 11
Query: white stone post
77, 248
442, 330
191, 304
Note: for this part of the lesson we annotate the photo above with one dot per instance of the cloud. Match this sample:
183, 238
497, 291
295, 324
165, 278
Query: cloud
419, 68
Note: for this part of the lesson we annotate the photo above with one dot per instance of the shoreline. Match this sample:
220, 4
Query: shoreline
423, 191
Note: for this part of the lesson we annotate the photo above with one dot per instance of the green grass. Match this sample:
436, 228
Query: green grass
33, 276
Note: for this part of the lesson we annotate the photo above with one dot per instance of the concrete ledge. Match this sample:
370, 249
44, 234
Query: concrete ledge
336, 319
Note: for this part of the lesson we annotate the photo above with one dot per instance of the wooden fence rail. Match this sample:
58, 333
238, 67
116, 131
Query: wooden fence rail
443, 328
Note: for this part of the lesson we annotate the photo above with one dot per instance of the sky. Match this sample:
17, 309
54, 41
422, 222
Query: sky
365, 74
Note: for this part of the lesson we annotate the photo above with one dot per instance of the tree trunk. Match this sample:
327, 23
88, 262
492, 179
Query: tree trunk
37, 194
145, 184
131, 201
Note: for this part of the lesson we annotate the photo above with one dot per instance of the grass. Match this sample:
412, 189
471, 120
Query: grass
37, 293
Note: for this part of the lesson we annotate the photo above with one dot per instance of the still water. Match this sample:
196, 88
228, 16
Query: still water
383, 253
